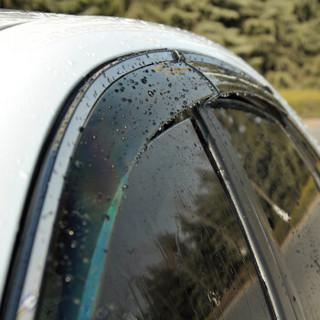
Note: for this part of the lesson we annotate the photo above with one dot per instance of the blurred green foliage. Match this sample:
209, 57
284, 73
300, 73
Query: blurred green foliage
276, 170
305, 102
280, 39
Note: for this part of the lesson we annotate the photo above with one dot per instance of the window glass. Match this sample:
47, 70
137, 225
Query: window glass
286, 189
175, 249
185, 255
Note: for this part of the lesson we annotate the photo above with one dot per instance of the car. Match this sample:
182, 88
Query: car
149, 173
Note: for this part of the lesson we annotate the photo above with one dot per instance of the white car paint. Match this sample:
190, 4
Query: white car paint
41, 61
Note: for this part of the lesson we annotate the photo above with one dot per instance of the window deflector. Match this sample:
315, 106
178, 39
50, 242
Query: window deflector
152, 66
128, 112
278, 289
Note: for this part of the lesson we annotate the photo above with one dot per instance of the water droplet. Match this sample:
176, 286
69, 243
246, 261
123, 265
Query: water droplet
29, 301
85, 260
242, 128
78, 164
68, 278
23, 174
257, 120
230, 119
151, 93
74, 244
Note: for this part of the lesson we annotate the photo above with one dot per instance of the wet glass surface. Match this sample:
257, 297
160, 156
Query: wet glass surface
177, 250
168, 247
287, 192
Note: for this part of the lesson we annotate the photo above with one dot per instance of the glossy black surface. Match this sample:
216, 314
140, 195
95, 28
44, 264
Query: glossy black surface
177, 250
286, 189
273, 275
125, 118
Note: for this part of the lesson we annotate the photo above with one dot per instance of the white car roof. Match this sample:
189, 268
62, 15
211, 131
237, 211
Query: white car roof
42, 58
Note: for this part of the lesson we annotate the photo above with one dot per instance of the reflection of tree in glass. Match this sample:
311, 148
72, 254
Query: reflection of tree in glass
203, 264
275, 168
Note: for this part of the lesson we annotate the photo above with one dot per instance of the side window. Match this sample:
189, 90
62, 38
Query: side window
135, 222
168, 247
286, 189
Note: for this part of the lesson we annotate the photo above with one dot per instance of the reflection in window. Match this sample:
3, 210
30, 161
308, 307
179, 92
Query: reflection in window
177, 250
286, 189
276, 170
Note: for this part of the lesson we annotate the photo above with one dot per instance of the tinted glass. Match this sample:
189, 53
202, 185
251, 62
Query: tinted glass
177, 251
129, 112
286, 189
169, 247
